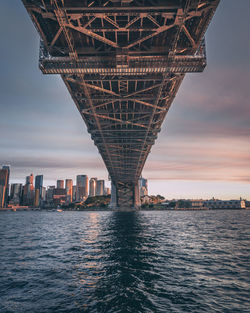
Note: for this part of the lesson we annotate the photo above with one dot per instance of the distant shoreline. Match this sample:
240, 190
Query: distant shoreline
113, 210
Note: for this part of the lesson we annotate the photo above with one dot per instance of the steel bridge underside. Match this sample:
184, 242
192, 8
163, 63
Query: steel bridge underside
122, 62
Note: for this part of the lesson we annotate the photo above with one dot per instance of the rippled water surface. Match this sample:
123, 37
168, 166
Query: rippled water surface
124, 262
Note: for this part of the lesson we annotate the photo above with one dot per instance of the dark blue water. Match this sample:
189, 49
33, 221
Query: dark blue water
125, 262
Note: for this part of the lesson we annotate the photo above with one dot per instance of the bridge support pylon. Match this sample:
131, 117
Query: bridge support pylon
125, 196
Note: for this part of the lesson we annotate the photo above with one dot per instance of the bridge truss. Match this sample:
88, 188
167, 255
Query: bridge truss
122, 62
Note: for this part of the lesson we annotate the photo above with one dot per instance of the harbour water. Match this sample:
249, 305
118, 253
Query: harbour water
125, 262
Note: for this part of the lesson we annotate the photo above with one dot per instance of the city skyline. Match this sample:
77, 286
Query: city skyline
202, 150
62, 184
32, 193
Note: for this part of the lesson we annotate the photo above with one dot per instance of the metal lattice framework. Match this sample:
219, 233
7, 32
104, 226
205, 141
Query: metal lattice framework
122, 62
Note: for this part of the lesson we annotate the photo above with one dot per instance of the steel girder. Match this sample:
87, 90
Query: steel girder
128, 112
122, 62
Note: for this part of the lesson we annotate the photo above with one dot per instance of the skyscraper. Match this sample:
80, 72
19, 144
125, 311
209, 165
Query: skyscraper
100, 188
49, 194
60, 184
39, 182
82, 187
37, 198
38, 186
15, 193
143, 186
92, 186
6, 198
69, 189
59, 196
74, 189
43, 194
2, 195
28, 191
3, 185
30, 179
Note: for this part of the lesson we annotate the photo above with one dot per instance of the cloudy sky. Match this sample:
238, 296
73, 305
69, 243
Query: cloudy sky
203, 149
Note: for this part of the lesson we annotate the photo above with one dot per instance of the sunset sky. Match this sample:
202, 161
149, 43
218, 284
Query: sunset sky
203, 149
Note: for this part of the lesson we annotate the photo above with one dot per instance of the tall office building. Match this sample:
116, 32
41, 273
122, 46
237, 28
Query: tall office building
82, 187
15, 194
2, 195
74, 193
37, 198
38, 186
60, 184
28, 191
69, 189
59, 196
6, 198
39, 182
49, 194
3, 186
92, 186
43, 194
30, 180
100, 188
143, 187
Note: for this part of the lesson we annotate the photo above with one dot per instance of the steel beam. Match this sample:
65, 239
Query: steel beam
122, 64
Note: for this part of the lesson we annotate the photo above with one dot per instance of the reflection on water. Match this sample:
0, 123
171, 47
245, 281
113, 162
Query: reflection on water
124, 261
128, 274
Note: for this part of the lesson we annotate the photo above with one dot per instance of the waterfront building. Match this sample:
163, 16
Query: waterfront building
49, 194
100, 188
92, 186
143, 191
82, 187
2, 195
15, 194
225, 204
143, 187
6, 198
38, 186
60, 184
28, 191
3, 186
30, 179
59, 196
145, 199
197, 203
107, 191
74, 193
38, 182
37, 198
43, 194
69, 189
